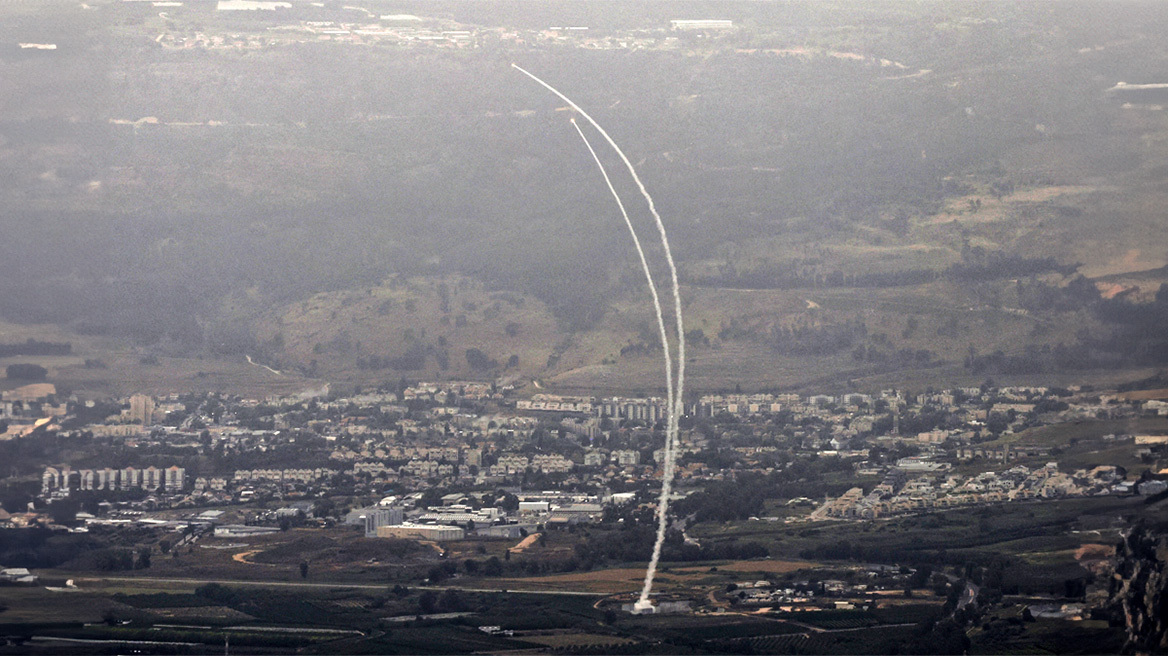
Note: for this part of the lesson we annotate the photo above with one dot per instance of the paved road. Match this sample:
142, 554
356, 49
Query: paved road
95, 641
347, 586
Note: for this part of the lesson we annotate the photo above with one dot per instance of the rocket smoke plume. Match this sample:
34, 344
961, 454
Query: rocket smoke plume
644, 267
674, 404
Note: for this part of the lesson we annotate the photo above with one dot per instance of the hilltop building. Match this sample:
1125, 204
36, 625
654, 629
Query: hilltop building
701, 24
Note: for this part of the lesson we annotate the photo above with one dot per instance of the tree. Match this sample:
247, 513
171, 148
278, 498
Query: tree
427, 602
920, 578
479, 360
220, 594
940, 584
164, 546
144, 558
64, 511
1075, 588
451, 601
431, 497
493, 567
324, 507
510, 503
26, 372
303, 570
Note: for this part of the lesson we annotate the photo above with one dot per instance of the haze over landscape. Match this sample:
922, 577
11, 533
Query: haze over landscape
322, 331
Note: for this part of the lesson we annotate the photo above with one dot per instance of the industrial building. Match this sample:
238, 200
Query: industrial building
422, 532
373, 518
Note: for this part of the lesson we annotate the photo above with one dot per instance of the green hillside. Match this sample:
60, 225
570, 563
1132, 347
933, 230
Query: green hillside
865, 192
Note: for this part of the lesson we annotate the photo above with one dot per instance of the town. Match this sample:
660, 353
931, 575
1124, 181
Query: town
426, 454
821, 512
322, 333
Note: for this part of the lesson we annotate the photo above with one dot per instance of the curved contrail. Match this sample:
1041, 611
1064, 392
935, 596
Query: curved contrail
676, 406
644, 267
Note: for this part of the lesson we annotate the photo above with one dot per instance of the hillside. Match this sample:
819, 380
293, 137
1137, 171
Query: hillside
852, 192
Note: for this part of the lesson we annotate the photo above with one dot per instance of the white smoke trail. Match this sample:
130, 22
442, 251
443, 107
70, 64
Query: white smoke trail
260, 364
676, 407
644, 267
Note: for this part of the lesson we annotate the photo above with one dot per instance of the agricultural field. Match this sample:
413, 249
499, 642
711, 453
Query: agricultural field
1046, 532
671, 577
271, 620
338, 555
555, 640
868, 641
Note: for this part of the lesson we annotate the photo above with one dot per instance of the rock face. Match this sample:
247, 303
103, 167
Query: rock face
1137, 589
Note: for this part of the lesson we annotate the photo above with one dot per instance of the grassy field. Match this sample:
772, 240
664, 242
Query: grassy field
575, 640
670, 576
448, 314
766, 566
37, 605
260, 618
1041, 533
860, 642
263, 618
606, 581
124, 372
339, 555
1048, 636
1063, 435
1079, 443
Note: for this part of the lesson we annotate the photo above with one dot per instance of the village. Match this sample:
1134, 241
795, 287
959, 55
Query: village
442, 460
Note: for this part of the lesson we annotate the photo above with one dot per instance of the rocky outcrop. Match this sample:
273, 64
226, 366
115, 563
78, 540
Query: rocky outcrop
1137, 589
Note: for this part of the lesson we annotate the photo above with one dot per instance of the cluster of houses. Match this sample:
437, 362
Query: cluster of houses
406, 30
302, 476
898, 495
61, 482
467, 435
